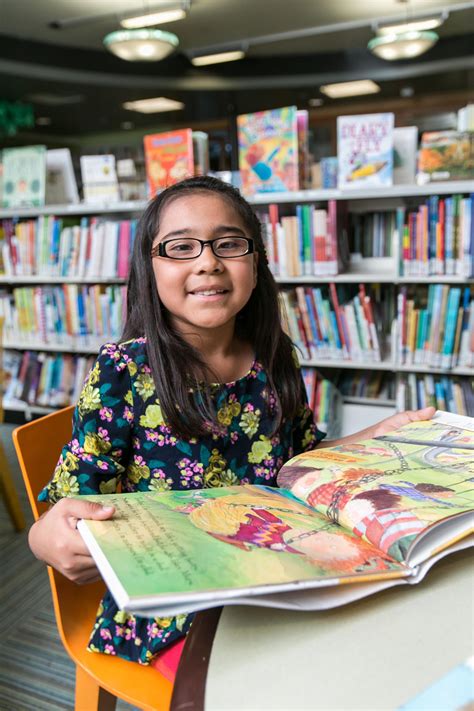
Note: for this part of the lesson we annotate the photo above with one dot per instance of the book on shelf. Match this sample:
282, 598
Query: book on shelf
311, 243
62, 247
436, 326
466, 118
61, 186
329, 170
438, 237
304, 161
324, 400
200, 152
405, 145
365, 150
347, 522
322, 325
169, 158
24, 176
445, 155
445, 392
268, 151
99, 178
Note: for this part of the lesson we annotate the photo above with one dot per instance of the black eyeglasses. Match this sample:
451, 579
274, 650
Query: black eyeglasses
190, 248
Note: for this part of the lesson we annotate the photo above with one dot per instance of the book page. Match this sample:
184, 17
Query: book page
392, 489
187, 545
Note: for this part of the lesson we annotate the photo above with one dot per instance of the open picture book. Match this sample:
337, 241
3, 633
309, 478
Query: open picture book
346, 522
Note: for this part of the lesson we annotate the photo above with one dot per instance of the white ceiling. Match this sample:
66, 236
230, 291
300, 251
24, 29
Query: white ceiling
211, 22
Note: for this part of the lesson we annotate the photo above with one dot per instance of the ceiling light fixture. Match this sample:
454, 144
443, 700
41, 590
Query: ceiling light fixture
426, 23
405, 45
153, 106
153, 18
350, 88
219, 58
141, 45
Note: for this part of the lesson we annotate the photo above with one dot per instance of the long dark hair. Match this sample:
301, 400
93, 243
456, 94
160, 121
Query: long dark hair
180, 375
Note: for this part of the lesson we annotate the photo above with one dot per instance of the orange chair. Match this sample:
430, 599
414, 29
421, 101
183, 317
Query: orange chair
100, 679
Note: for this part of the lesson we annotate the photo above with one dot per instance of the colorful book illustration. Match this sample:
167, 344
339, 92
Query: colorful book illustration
348, 521
446, 155
268, 150
365, 150
99, 178
169, 158
24, 176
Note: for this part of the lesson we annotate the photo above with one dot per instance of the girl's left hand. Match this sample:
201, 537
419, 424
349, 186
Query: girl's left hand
402, 418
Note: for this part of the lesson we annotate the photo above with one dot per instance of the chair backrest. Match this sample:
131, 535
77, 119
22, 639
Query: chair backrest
38, 445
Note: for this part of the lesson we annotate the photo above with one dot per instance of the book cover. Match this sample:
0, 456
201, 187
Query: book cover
365, 150
99, 178
446, 155
346, 518
24, 176
268, 150
405, 143
61, 186
169, 158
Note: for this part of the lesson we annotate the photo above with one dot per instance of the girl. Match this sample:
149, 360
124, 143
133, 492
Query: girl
203, 390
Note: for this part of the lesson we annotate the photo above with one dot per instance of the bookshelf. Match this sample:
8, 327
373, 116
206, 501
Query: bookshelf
382, 271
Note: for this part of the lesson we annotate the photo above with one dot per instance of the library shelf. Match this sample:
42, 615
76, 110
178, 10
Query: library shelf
45, 279
384, 365
87, 348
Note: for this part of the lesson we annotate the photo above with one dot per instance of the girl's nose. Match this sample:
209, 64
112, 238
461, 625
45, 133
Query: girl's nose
208, 261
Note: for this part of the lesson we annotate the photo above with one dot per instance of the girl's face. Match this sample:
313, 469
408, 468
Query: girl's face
209, 291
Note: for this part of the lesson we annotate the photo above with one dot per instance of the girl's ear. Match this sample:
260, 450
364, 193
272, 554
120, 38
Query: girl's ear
255, 265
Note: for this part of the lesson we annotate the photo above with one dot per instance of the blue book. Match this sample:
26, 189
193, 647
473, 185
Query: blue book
450, 327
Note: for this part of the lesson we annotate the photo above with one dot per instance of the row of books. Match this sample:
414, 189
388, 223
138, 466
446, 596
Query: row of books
324, 400
367, 384
444, 393
437, 328
438, 237
322, 327
311, 243
372, 234
49, 246
43, 379
68, 315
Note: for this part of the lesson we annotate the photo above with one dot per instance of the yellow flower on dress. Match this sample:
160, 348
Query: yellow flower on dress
136, 471
94, 375
66, 484
307, 438
260, 450
214, 470
89, 399
108, 487
227, 412
70, 462
163, 622
120, 617
153, 417
145, 386
93, 444
132, 368
249, 422
128, 397
228, 478
180, 620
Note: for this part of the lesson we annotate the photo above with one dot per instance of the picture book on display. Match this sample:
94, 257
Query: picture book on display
348, 521
365, 150
268, 150
24, 176
169, 158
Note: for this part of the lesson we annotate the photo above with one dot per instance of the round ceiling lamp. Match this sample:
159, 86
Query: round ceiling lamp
404, 45
142, 45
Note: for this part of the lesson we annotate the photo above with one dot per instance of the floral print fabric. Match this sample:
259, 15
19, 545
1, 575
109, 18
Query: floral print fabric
120, 441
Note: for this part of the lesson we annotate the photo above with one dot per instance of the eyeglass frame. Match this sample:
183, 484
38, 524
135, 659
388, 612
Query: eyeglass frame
160, 249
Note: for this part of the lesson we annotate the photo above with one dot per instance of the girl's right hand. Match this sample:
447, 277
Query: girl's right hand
55, 539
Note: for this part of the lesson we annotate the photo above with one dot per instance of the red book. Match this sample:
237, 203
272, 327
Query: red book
123, 249
169, 158
168, 660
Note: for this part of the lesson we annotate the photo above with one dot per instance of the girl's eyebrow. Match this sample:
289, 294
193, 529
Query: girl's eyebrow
188, 232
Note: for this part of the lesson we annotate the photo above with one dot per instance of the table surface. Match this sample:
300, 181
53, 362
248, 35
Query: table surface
372, 655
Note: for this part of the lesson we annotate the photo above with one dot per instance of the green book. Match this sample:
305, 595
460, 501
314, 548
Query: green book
24, 176
348, 521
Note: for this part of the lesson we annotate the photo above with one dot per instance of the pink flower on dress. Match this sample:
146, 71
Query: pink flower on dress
110, 650
103, 434
105, 634
127, 414
105, 413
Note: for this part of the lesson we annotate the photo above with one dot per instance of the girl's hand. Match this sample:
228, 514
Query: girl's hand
55, 540
402, 418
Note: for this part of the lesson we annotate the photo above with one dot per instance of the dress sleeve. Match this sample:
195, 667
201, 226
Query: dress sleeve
306, 435
95, 458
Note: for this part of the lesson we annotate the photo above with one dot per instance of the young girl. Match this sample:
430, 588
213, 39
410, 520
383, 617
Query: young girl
203, 390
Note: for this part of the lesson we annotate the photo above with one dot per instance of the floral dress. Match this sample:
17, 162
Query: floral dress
120, 442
